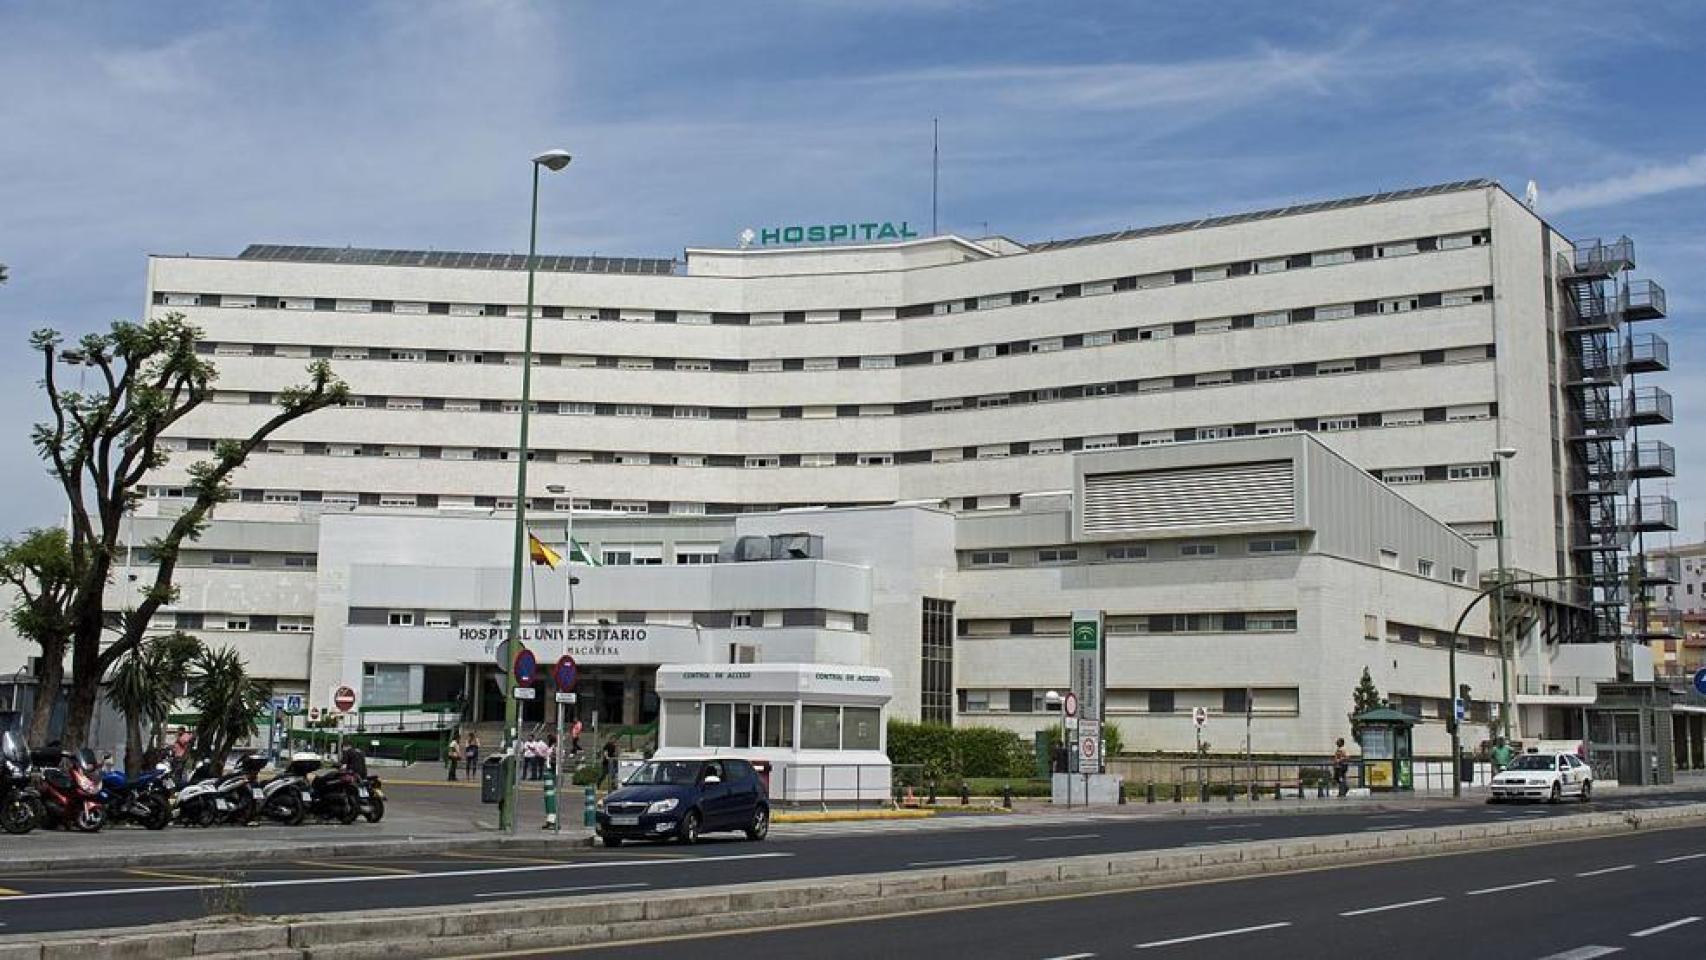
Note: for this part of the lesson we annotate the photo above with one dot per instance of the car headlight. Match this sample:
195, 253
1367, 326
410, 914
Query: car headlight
598, 804
662, 806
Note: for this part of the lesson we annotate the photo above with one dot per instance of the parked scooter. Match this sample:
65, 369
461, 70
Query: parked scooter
20, 802
280, 798
71, 796
141, 801
333, 796
209, 797
370, 798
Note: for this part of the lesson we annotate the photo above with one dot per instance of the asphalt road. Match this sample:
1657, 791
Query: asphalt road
1638, 896
68, 899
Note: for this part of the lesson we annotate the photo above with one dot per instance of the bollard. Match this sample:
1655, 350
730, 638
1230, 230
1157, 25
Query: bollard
1122, 793
1178, 793
1231, 791
1252, 793
1320, 790
1007, 796
1300, 794
1149, 793
965, 794
931, 801
1202, 792
550, 798
591, 807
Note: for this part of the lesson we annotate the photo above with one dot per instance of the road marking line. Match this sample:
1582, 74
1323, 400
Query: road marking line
1588, 952
535, 890
1605, 870
1661, 928
949, 863
1072, 956
1686, 856
1511, 886
1214, 935
370, 868
1391, 906
1069, 836
319, 881
1232, 826
168, 875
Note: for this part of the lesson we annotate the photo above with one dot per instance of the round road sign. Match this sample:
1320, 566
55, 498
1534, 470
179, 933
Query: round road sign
1087, 748
525, 666
564, 673
1700, 680
1199, 716
1069, 706
343, 699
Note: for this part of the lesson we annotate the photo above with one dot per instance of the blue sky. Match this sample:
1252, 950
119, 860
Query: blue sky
128, 129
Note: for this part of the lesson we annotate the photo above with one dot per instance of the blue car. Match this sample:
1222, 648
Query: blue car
682, 799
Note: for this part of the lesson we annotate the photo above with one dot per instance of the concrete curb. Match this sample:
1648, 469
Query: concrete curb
564, 922
284, 850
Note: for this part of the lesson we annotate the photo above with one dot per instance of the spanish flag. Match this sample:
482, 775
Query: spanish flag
541, 553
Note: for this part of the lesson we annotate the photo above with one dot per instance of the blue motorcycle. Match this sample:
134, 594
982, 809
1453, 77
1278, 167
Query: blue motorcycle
141, 801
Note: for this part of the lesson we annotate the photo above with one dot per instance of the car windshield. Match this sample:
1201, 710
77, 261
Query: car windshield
1533, 762
672, 772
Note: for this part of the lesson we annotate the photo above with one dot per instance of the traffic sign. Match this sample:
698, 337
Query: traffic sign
1069, 706
313, 714
343, 699
1089, 746
526, 666
1458, 707
568, 698
293, 703
1199, 716
1700, 681
525, 693
564, 673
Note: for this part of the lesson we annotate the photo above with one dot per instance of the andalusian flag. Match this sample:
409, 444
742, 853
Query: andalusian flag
578, 553
541, 553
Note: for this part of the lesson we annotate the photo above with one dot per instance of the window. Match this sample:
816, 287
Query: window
284, 447
633, 363
1198, 549
349, 353
1273, 621
764, 366
632, 410
1048, 446
692, 413
463, 357
1272, 318
828, 459
1389, 559
1398, 305
403, 453
990, 558
397, 500
1424, 568
401, 618
1275, 427
633, 506
860, 728
876, 363
761, 462
1336, 311
876, 459
568, 409
514, 406
228, 623
1331, 257
1458, 298
281, 496
339, 498
1151, 438
951, 403
1396, 249
1098, 339
1403, 475
996, 400
1468, 411
409, 356
1401, 418
403, 403
695, 553
1106, 441
1126, 553
1469, 471
438, 619
1160, 701
1273, 373
1213, 379
1330, 367
936, 677
1215, 433
1458, 241
1209, 273
1235, 700
231, 559
1057, 555
295, 624
1274, 265
1337, 424
1046, 345
1276, 545
1459, 576
820, 728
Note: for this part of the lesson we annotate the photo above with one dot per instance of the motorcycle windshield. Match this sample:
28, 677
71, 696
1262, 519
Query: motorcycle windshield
86, 758
13, 749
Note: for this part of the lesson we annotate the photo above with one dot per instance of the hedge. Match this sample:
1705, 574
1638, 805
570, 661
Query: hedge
949, 753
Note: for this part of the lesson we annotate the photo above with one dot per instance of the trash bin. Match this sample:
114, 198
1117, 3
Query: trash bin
491, 780
1465, 769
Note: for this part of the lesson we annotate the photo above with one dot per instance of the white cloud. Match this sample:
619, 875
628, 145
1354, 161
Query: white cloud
1644, 182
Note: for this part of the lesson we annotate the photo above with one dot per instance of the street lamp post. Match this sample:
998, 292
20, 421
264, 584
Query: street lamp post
1503, 456
552, 160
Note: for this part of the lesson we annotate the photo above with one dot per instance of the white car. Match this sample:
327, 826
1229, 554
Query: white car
1544, 776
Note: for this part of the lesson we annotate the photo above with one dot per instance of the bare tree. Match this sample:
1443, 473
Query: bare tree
100, 444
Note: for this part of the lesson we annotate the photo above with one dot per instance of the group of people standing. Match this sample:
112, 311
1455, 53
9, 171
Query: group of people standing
536, 753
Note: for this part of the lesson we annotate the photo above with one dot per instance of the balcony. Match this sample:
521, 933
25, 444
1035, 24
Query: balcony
1598, 539
1662, 623
1651, 458
1641, 300
1646, 353
1659, 570
1649, 406
1650, 514
1594, 312
1556, 690
1599, 260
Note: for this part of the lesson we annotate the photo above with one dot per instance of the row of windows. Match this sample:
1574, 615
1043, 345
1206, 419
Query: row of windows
1200, 274
1414, 635
709, 619
1101, 338
1230, 701
1446, 472
1337, 423
1322, 368
1230, 621
1425, 567
1123, 552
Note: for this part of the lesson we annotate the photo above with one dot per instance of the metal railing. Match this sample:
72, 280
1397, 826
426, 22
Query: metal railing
1642, 300
1600, 258
858, 784
1533, 686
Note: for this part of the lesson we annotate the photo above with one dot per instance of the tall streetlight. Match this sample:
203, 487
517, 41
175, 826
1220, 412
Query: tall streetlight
552, 160
1502, 456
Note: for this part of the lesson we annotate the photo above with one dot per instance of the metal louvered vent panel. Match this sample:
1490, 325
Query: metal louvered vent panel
1193, 497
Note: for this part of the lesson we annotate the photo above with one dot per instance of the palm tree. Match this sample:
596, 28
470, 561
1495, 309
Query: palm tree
228, 700
144, 685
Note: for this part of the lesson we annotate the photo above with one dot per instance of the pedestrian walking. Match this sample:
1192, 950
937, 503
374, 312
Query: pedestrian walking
453, 756
610, 765
1501, 756
575, 738
471, 755
551, 760
1341, 767
530, 758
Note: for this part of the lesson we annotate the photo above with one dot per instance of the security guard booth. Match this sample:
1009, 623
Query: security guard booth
1386, 749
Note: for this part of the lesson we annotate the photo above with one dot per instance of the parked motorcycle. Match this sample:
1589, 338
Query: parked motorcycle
333, 796
20, 801
70, 792
280, 798
370, 798
141, 801
208, 797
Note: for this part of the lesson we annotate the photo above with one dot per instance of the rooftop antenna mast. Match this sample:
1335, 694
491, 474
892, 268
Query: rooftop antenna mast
935, 167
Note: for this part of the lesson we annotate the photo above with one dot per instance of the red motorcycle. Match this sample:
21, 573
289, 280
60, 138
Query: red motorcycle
71, 789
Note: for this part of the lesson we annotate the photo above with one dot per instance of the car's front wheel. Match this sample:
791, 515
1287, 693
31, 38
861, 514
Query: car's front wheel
1557, 793
611, 841
1587, 790
689, 830
760, 826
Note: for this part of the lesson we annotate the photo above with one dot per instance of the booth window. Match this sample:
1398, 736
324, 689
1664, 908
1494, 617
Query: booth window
778, 729
820, 728
861, 728
717, 732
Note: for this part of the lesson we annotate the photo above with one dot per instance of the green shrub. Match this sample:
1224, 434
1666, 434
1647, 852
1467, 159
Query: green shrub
952, 753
